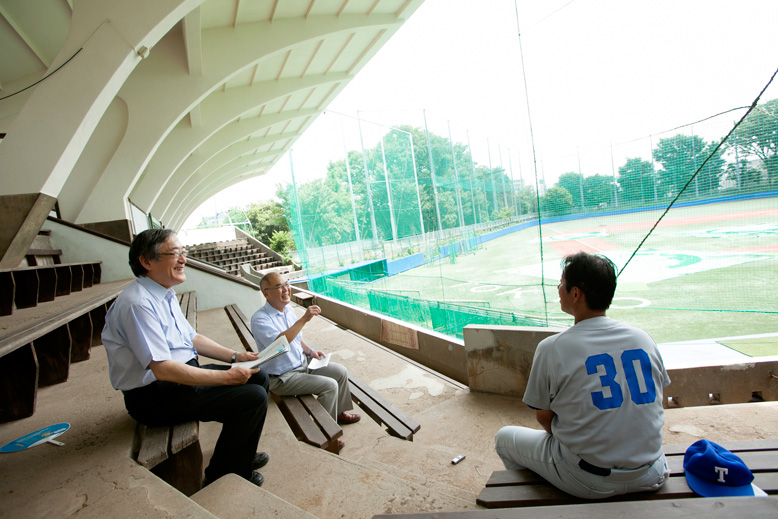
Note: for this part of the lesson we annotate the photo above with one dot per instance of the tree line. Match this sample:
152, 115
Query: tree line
418, 181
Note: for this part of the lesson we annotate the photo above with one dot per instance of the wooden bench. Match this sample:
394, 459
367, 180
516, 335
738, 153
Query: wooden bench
382, 411
718, 508
309, 421
372, 403
173, 452
524, 488
188, 304
38, 344
25, 287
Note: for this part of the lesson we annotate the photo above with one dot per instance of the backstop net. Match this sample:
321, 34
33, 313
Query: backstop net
425, 221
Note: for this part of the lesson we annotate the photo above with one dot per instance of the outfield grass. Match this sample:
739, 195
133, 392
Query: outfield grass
705, 272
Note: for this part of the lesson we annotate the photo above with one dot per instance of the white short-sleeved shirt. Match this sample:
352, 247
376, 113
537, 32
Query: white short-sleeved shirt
604, 380
145, 324
267, 324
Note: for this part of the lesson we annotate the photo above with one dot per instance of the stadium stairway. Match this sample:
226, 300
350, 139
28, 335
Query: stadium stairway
92, 474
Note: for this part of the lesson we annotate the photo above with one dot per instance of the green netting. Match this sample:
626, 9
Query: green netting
470, 231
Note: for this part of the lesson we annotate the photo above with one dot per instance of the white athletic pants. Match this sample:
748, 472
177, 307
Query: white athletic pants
524, 448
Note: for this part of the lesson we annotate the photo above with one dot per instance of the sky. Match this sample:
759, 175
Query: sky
546, 87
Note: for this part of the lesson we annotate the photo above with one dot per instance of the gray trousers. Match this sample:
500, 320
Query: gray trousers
524, 448
329, 384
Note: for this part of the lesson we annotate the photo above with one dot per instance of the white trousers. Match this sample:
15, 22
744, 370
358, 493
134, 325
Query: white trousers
524, 448
329, 384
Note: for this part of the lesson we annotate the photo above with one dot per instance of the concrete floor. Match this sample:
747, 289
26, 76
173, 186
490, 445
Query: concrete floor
92, 475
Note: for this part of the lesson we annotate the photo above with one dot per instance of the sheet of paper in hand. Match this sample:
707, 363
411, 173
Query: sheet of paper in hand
319, 363
278, 347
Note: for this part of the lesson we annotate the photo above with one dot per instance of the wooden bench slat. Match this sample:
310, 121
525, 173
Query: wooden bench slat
748, 451
546, 494
191, 310
53, 351
719, 508
300, 421
406, 420
81, 335
82, 303
154, 444
18, 384
64, 280
238, 321
183, 435
7, 293
540, 493
379, 414
328, 426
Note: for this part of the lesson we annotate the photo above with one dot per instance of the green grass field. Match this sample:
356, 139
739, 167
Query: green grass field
706, 271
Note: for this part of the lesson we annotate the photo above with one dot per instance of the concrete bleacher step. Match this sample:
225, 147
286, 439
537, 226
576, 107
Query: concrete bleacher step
232, 497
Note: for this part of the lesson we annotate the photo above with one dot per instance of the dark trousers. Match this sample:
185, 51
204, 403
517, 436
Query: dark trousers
240, 409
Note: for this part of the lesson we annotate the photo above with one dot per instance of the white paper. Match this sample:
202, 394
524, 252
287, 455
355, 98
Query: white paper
278, 347
319, 363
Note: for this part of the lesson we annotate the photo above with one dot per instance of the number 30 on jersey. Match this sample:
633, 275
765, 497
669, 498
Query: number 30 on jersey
636, 367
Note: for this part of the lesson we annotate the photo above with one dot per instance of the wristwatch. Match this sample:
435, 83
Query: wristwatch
234, 357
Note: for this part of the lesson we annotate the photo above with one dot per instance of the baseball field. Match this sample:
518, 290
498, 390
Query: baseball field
707, 271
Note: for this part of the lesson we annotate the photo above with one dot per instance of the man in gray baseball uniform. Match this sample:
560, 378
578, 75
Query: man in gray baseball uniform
597, 392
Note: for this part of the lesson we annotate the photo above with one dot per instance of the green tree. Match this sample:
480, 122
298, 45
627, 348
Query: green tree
598, 190
266, 218
556, 201
572, 183
283, 244
636, 178
680, 157
757, 137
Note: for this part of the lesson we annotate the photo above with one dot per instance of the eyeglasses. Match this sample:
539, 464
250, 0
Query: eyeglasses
177, 254
279, 287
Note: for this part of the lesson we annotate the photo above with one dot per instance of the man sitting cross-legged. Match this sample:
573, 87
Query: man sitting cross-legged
597, 392
289, 373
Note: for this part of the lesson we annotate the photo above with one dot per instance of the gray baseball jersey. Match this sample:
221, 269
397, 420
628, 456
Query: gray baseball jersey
603, 379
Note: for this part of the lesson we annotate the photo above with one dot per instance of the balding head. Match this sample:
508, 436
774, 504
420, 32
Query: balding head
276, 290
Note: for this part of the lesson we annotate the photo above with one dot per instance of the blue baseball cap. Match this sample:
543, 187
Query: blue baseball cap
713, 471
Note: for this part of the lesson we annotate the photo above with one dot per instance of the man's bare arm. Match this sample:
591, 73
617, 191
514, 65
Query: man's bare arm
213, 350
544, 417
293, 331
180, 373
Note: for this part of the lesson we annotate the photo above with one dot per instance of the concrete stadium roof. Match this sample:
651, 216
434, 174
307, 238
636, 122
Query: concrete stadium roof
164, 103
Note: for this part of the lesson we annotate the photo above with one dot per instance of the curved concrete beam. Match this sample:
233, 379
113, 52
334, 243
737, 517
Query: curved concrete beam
226, 52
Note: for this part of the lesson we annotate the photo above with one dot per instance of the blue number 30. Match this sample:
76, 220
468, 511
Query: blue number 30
628, 359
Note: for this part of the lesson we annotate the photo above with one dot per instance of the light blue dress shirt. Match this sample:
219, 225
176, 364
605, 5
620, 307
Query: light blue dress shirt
267, 323
145, 324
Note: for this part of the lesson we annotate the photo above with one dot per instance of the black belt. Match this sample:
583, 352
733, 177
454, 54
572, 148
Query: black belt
592, 469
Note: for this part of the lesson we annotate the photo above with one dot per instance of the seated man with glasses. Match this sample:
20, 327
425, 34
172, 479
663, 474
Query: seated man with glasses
153, 359
289, 373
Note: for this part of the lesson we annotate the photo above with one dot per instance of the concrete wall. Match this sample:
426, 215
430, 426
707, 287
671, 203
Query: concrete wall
729, 383
444, 354
499, 358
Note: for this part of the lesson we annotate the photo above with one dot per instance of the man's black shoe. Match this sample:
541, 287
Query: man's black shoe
257, 479
260, 460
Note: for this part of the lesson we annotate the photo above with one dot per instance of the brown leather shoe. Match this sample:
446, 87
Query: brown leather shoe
345, 418
341, 444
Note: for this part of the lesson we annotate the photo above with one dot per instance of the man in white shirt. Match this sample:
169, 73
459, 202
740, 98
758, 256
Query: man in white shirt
289, 373
153, 356
597, 392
